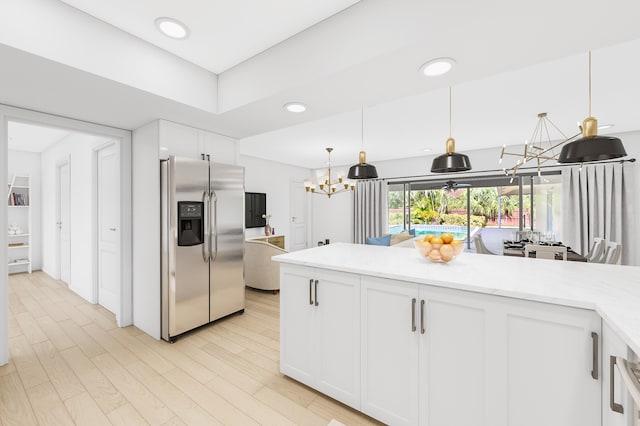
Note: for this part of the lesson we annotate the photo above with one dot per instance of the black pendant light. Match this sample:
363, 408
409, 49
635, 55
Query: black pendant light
451, 161
362, 170
591, 147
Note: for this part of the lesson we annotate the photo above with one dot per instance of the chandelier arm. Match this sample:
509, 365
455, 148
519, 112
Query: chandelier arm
535, 132
546, 129
556, 127
551, 148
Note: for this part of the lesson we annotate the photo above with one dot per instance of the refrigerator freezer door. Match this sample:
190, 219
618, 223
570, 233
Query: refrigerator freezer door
227, 240
186, 275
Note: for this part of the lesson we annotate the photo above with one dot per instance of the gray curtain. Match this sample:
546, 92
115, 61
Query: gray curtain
598, 202
371, 210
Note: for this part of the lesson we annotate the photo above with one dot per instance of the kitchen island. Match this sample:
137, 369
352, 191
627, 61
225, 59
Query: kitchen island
481, 340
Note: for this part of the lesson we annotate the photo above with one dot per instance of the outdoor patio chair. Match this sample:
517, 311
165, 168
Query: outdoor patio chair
480, 247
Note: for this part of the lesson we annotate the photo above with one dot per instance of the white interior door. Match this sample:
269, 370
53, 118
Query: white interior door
64, 222
108, 182
298, 231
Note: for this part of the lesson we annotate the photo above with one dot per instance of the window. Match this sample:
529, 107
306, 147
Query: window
498, 205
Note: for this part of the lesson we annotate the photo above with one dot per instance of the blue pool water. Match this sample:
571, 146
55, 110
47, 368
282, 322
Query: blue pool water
458, 232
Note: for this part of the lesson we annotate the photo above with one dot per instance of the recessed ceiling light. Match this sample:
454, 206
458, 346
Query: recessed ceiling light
172, 28
427, 150
295, 107
438, 66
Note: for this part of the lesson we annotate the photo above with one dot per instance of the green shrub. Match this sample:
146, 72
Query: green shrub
461, 220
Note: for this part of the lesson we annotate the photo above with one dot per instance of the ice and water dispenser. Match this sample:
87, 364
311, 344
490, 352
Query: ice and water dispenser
190, 223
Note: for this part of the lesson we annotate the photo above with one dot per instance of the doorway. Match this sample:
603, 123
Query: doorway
63, 222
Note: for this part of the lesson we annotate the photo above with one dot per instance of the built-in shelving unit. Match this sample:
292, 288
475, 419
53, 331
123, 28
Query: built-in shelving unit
19, 224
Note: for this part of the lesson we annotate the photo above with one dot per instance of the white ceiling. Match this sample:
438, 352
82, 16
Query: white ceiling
33, 138
514, 60
489, 112
223, 33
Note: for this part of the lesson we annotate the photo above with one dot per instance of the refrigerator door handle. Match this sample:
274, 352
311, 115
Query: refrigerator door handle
213, 196
206, 253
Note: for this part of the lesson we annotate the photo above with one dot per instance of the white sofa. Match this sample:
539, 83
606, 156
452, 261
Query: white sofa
260, 271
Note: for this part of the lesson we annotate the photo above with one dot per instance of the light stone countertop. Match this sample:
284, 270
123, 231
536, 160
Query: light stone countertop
611, 290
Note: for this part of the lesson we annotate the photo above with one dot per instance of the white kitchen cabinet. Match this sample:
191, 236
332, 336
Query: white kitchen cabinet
460, 372
475, 359
184, 141
617, 404
390, 351
320, 330
550, 359
221, 149
176, 139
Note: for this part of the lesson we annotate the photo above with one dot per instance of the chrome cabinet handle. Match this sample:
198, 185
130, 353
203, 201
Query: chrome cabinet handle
316, 285
594, 371
614, 406
310, 291
422, 317
413, 315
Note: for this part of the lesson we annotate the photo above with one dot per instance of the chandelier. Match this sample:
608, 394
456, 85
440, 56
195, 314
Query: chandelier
326, 186
539, 149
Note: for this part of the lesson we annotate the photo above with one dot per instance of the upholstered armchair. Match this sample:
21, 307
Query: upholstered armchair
259, 270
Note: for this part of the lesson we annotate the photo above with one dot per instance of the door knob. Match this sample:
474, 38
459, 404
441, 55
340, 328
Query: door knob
112, 229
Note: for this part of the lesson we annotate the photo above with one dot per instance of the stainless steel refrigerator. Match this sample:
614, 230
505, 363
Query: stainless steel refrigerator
202, 221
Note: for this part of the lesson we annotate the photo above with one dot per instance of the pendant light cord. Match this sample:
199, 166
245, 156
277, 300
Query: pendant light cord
362, 129
589, 83
450, 132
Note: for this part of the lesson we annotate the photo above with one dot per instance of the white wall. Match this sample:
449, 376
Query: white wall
79, 150
273, 179
28, 163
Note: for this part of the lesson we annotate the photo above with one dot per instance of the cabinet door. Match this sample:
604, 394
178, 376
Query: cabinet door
390, 345
337, 335
178, 140
549, 360
612, 345
297, 312
457, 367
220, 149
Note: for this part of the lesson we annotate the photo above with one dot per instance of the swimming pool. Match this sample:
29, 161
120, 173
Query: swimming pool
458, 232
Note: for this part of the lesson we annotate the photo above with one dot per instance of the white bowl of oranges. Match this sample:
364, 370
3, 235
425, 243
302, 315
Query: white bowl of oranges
439, 248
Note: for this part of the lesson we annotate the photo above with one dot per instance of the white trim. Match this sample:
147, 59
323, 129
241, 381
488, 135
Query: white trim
9, 113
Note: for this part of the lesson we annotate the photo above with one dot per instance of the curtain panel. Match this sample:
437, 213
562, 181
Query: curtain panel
370, 210
598, 201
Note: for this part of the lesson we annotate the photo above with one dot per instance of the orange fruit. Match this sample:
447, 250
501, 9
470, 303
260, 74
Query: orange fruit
435, 255
428, 237
457, 247
424, 247
436, 242
446, 238
446, 251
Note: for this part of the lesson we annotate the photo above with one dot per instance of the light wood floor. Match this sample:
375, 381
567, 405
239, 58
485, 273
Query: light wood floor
70, 364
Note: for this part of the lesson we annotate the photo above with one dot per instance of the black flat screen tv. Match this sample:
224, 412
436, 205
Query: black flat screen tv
255, 205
